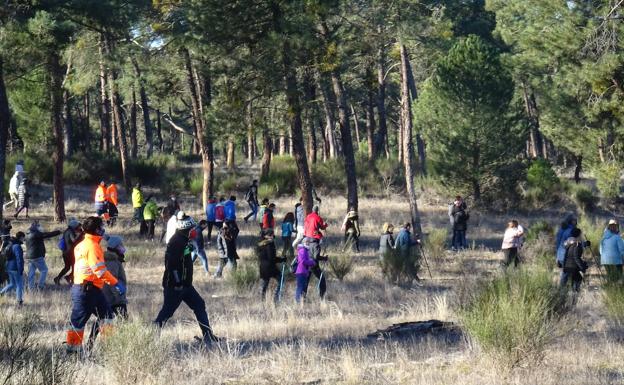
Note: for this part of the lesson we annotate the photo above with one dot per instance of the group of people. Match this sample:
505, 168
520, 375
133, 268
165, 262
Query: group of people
19, 190
106, 201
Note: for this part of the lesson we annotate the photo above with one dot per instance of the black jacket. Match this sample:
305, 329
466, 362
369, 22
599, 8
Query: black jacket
460, 218
35, 248
268, 259
178, 262
71, 238
574, 255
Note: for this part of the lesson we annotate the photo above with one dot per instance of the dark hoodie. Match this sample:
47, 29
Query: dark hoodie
35, 247
574, 255
178, 262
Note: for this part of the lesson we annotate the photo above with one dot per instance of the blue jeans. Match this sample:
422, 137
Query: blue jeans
190, 296
459, 239
302, 286
201, 253
16, 282
254, 211
88, 300
33, 266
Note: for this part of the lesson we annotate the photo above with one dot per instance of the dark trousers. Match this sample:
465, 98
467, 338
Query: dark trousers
511, 256
574, 275
351, 241
151, 226
88, 300
459, 239
614, 273
287, 250
211, 224
119, 311
68, 264
320, 275
190, 296
302, 286
265, 287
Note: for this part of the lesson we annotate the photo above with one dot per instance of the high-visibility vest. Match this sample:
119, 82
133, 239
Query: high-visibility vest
137, 198
90, 265
100, 194
111, 193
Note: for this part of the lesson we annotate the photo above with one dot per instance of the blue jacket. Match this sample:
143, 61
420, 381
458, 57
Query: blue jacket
230, 210
563, 234
16, 263
404, 240
210, 211
611, 248
287, 229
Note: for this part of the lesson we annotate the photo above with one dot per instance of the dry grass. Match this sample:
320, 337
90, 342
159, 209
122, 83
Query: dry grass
325, 343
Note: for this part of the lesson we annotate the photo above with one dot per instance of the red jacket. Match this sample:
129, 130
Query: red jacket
313, 225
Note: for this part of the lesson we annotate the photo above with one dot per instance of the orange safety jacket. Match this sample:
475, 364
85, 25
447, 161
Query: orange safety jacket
100, 194
111, 194
90, 265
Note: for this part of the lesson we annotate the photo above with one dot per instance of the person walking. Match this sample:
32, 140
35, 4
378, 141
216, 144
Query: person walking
460, 223
268, 260
299, 222
220, 213
100, 199
351, 228
210, 215
14, 183
23, 197
226, 249
15, 267
172, 224
404, 244
178, 280
71, 236
137, 203
512, 242
251, 197
112, 200
386, 242
198, 244
263, 206
229, 209
287, 232
150, 213
573, 264
612, 252
36, 252
303, 271
313, 230
172, 204
568, 224
90, 277
268, 219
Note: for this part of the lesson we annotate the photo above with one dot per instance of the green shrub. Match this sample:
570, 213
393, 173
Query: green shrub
584, 198
538, 229
229, 184
613, 297
134, 352
608, 180
267, 191
341, 264
513, 317
435, 244
330, 175
74, 173
539, 251
196, 185
244, 277
401, 269
282, 177
592, 231
543, 184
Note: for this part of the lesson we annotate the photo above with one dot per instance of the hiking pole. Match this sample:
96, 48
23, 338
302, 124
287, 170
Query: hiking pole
281, 287
422, 250
597, 262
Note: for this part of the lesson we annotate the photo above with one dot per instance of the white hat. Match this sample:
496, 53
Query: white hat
612, 222
185, 222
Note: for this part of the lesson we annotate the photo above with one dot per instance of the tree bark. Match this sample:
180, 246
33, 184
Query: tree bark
578, 166
5, 123
134, 145
356, 123
267, 153
536, 146
115, 101
159, 131
86, 123
282, 143
251, 151
105, 123
230, 154
147, 124
381, 140
408, 147
420, 144
68, 127
330, 123
370, 125
56, 123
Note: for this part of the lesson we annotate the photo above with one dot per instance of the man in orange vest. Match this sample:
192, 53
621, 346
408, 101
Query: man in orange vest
112, 199
90, 276
100, 199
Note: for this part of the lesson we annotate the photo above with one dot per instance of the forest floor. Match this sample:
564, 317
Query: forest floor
327, 343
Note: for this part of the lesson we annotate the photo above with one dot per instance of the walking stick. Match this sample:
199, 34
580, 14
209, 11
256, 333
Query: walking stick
425, 258
281, 287
597, 262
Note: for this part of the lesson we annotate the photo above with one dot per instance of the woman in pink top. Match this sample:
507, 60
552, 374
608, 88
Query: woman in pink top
512, 241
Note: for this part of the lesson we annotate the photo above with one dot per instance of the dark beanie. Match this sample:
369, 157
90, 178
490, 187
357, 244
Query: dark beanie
576, 232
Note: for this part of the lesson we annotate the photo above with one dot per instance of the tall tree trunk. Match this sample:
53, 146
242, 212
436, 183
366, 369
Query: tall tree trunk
399, 140
578, 166
356, 123
86, 123
267, 153
56, 123
536, 146
5, 123
68, 127
370, 125
420, 144
408, 147
105, 115
134, 145
231, 149
282, 143
330, 122
159, 131
251, 151
115, 101
381, 140
147, 124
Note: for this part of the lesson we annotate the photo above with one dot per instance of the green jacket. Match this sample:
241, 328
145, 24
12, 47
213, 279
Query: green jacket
150, 212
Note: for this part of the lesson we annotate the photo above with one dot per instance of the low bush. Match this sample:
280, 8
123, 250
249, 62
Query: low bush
513, 317
243, 279
401, 268
539, 250
608, 180
538, 229
134, 352
584, 198
196, 184
613, 298
543, 185
591, 231
330, 175
282, 177
341, 263
435, 244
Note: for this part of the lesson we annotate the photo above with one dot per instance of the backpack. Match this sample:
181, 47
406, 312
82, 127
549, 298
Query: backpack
6, 253
220, 213
62, 245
